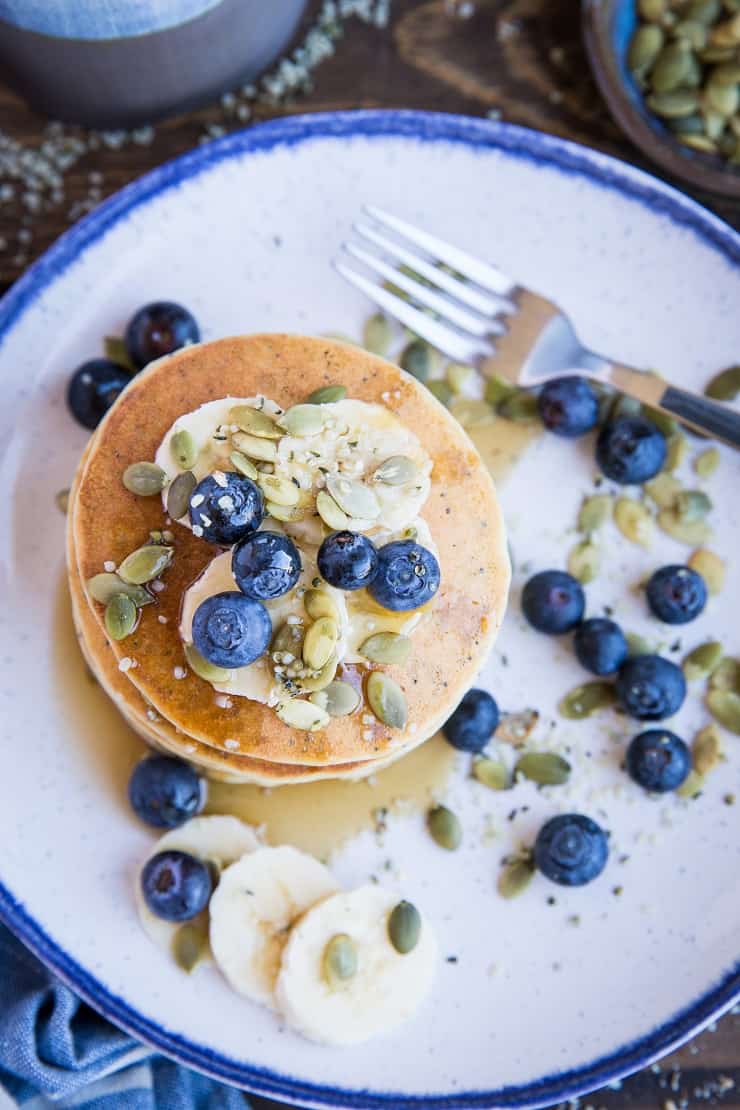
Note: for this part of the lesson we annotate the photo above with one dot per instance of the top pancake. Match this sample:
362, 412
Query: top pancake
462, 512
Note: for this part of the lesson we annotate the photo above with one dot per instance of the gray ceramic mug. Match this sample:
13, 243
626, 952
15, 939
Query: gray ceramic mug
118, 63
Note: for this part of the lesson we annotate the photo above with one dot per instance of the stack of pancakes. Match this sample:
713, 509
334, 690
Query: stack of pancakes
235, 738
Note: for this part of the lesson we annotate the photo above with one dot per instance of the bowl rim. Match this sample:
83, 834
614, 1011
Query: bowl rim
694, 168
580, 162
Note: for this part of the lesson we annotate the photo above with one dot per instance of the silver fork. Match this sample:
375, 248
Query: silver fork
481, 317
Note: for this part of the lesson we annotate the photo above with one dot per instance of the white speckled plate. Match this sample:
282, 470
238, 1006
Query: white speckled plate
535, 1008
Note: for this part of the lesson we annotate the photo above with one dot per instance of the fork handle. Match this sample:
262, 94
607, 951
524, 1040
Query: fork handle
701, 413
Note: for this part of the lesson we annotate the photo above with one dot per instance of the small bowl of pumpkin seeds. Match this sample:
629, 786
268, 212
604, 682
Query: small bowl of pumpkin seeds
669, 71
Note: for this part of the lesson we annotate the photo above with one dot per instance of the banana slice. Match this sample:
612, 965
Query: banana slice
254, 905
386, 989
222, 840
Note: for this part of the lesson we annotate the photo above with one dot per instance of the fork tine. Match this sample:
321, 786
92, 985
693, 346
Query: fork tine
454, 344
466, 264
466, 294
425, 296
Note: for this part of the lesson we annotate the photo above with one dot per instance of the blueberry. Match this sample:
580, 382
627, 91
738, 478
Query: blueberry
176, 886
571, 849
600, 646
165, 792
159, 329
568, 406
650, 687
408, 576
266, 565
231, 630
658, 760
348, 560
553, 601
473, 723
93, 388
676, 594
630, 450
228, 510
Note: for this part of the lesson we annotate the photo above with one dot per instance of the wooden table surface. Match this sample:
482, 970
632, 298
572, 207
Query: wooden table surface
523, 58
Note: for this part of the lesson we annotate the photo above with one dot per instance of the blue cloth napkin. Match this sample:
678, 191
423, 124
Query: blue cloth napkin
57, 1052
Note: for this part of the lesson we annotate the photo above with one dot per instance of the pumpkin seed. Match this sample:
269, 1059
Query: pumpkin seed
671, 105
416, 359
459, 376
339, 699
339, 961
515, 877
320, 679
353, 498
190, 944
287, 514
706, 463
445, 828
699, 142
120, 617
386, 647
724, 386
115, 350
145, 563
587, 699
624, 406
387, 700
663, 490
644, 48
662, 421
243, 465
519, 407
725, 34
724, 705
327, 395
653, 10
705, 11
471, 413
497, 389
205, 670
440, 389
544, 768
714, 123
710, 567
289, 637
635, 521
702, 660
319, 603
726, 676
691, 505
183, 449
636, 644
692, 31
713, 54
377, 334
583, 561
595, 511
706, 751
254, 422
692, 785
104, 587
254, 448
396, 471
178, 494
61, 500
302, 715
319, 643
404, 927
515, 728
670, 69
728, 73
330, 513
492, 773
693, 532
724, 99
145, 479
280, 491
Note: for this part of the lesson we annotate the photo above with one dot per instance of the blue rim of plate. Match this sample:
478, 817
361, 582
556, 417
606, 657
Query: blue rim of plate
517, 142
